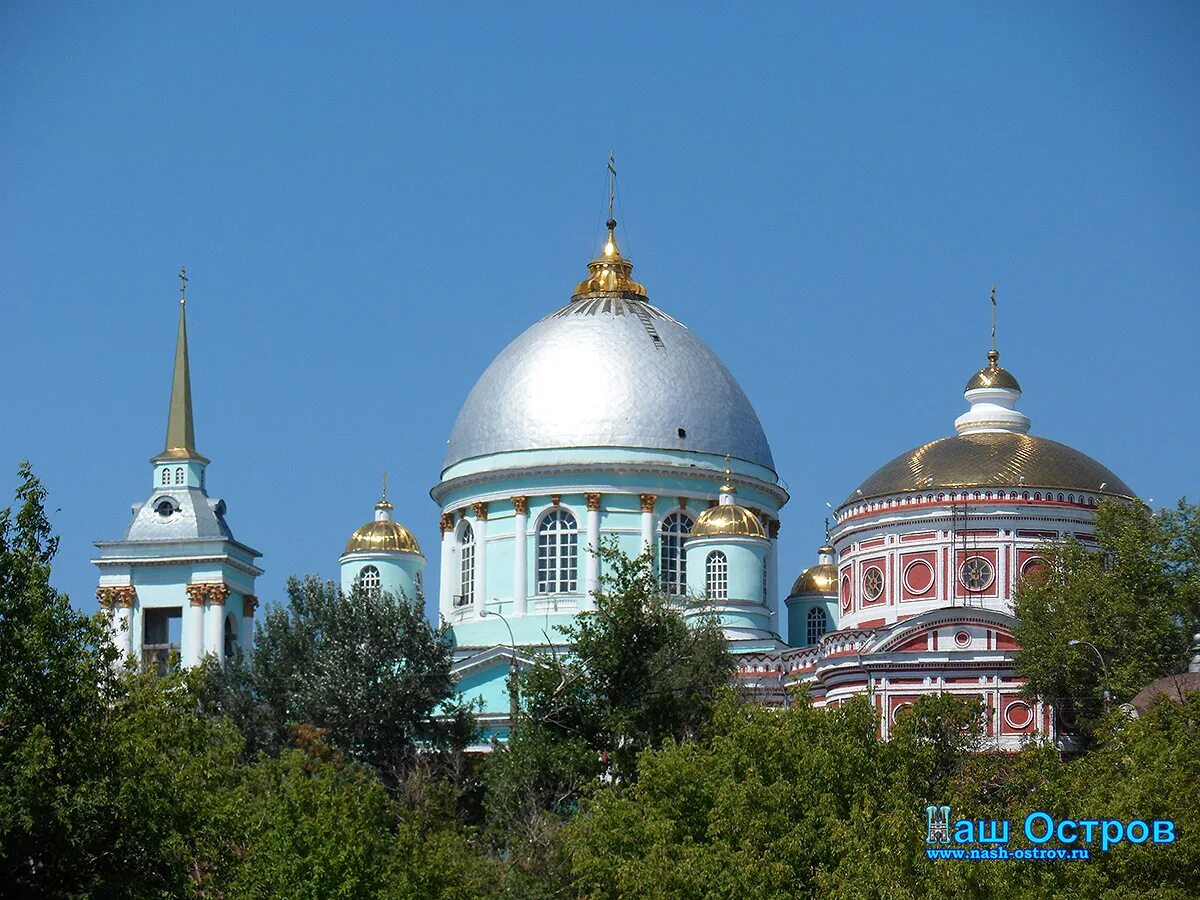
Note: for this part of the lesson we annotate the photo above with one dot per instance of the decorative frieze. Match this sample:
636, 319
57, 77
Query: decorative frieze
593, 502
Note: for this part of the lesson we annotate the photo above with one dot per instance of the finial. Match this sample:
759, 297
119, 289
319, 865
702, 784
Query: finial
610, 274
612, 188
183, 286
827, 529
993, 318
727, 487
383, 506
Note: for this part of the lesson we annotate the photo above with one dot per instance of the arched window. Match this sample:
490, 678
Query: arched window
368, 577
166, 476
673, 561
818, 624
179, 476
716, 576
230, 639
466, 567
557, 553
419, 586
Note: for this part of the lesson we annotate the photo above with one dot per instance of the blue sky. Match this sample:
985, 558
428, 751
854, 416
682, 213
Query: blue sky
371, 201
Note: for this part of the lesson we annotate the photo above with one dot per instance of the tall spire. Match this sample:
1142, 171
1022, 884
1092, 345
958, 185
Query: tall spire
610, 274
181, 433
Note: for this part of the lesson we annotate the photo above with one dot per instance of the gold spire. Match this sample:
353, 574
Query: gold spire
610, 274
181, 434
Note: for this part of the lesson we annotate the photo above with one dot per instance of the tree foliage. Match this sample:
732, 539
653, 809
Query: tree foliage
365, 667
1136, 597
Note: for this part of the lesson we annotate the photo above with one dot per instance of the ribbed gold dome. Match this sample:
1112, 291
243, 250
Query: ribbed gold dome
991, 459
818, 579
728, 519
382, 535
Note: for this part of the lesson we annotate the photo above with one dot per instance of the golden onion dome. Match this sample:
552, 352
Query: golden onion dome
382, 535
992, 376
818, 579
728, 519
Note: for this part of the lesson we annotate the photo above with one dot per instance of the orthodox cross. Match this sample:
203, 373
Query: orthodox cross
183, 287
385, 487
993, 317
612, 186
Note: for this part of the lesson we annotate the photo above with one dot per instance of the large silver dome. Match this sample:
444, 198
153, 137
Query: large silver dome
608, 372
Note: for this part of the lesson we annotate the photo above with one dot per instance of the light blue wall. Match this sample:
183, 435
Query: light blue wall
798, 608
397, 571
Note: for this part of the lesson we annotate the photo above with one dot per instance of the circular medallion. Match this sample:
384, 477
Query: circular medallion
918, 577
873, 583
1018, 714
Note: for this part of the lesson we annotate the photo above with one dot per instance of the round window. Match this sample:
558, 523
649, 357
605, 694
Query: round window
872, 583
976, 573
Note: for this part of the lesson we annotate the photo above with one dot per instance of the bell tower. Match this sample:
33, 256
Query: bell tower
178, 586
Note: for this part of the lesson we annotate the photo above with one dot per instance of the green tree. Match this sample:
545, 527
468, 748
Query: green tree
776, 803
637, 675
56, 683
366, 667
316, 825
1136, 597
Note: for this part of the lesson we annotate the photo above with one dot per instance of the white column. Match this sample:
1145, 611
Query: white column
214, 622
480, 557
446, 578
123, 628
591, 569
192, 650
772, 598
648, 501
520, 556
249, 605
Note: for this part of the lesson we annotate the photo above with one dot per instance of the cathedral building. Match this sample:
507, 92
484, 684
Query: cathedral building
609, 423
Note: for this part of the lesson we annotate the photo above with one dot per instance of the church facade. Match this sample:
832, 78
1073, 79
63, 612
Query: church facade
609, 423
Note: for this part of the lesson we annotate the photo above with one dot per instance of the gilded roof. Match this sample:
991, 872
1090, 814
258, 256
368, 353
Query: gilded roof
728, 519
818, 579
382, 535
991, 459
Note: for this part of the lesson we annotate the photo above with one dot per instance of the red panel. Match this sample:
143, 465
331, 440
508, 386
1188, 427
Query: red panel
920, 536
918, 642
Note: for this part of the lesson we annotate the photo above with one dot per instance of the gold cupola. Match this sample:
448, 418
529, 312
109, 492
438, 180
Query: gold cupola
992, 376
382, 534
727, 519
610, 274
818, 579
